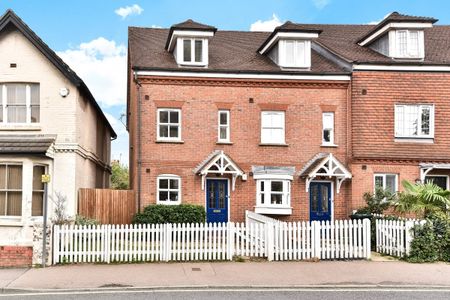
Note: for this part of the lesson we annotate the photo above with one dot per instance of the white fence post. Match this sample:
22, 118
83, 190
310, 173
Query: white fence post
270, 234
231, 240
55, 244
168, 242
408, 236
367, 231
315, 239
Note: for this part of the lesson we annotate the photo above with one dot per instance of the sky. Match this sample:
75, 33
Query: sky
91, 35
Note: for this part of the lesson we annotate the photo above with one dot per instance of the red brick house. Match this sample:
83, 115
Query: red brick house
296, 124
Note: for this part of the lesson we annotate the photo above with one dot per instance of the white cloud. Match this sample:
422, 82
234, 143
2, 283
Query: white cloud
129, 11
268, 25
102, 65
320, 4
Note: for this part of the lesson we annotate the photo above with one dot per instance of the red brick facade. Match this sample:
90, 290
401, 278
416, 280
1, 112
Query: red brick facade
16, 256
303, 103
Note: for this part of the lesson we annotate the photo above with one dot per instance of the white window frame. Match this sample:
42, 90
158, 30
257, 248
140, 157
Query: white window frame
331, 129
178, 190
4, 104
264, 139
301, 60
409, 46
419, 118
192, 62
226, 126
158, 123
286, 193
383, 175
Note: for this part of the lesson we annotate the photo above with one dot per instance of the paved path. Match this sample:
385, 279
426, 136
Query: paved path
229, 274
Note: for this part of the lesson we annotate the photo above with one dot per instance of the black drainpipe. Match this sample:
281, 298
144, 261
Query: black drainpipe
139, 152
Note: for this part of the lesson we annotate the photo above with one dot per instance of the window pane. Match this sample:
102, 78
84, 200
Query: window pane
379, 181
314, 190
16, 94
35, 114
391, 183
173, 196
163, 116
276, 199
277, 186
222, 197
187, 50
402, 43
164, 183
173, 131
34, 94
14, 205
223, 133
173, 117
211, 196
17, 114
425, 121
163, 131
2, 177
414, 43
223, 118
174, 183
38, 171
327, 135
198, 50
440, 181
325, 196
2, 203
37, 206
14, 177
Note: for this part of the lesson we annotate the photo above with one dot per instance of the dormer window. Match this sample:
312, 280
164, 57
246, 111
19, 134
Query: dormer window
289, 46
192, 51
294, 54
188, 41
408, 43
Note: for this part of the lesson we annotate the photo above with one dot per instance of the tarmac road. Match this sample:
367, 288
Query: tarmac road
263, 294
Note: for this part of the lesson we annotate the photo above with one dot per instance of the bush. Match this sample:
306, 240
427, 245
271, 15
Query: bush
377, 202
82, 220
161, 214
431, 241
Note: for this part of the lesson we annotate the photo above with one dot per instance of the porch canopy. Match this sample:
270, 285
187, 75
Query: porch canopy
218, 163
26, 143
426, 168
325, 165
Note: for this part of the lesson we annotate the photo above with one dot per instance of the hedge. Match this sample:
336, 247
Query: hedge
161, 214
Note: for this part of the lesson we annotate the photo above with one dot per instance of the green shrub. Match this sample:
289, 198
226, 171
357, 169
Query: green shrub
161, 214
82, 220
431, 241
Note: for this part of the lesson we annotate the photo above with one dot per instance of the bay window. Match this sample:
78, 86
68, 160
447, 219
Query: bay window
414, 121
273, 196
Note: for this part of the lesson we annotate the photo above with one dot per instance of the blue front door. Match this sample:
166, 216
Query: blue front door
320, 201
217, 200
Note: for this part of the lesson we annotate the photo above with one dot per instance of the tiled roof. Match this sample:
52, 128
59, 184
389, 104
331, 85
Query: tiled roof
237, 51
190, 24
37, 144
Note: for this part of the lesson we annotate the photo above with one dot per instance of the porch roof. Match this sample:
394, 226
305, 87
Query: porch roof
24, 144
425, 168
325, 165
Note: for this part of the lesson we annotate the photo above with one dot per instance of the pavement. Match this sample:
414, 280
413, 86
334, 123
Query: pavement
227, 275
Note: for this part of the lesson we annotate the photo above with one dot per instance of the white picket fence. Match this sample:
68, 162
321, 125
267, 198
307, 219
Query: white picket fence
210, 241
393, 237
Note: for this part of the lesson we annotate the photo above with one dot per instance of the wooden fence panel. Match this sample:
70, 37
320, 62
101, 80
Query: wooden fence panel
106, 205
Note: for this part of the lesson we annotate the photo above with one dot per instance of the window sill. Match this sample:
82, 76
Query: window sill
223, 143
10, 222
329, 145
19, 127
169, 142
168, 202
273, 145
424, 140
283, 210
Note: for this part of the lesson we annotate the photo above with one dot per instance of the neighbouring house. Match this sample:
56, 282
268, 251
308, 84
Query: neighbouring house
296, 123
49, 124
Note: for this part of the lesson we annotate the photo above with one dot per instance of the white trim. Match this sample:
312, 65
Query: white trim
158, 137
332, 198
244, 75
229, 195
288, 35
385, 28
168, 176
418, 68
384, 180
227, 126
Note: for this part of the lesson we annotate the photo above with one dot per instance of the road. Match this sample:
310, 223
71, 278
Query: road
260, 294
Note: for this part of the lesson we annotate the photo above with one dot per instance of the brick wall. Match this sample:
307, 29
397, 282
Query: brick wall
15, 256
373, 114
200, 101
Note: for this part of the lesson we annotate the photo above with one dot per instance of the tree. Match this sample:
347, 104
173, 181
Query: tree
120, 176
422, 198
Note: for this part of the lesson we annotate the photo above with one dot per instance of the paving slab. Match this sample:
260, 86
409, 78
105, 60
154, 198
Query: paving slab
235, 274
9, 275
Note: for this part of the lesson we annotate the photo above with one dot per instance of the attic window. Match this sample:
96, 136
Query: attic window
193, 51
408, 44
294, 54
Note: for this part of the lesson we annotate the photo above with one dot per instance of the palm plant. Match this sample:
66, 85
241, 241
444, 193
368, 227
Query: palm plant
422, 198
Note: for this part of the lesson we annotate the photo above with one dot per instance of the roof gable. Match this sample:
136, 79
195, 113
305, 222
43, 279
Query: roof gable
10, 18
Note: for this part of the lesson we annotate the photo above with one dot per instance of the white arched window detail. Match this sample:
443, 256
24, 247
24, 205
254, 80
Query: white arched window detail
220, 164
